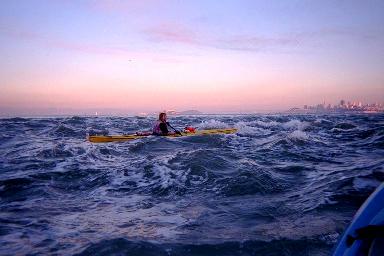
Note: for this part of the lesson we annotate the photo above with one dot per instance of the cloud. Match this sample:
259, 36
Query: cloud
254, 43
52, 42
337, 32
179, 34
171, 33
57, 43
174, 33
124, 7
89, 48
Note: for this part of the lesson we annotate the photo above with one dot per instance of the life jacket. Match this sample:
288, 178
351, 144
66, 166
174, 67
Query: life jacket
156, 128
189, 129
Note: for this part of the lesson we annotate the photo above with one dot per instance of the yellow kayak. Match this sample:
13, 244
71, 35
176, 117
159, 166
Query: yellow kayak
113, 138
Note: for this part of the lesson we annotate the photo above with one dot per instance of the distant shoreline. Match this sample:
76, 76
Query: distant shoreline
205, 114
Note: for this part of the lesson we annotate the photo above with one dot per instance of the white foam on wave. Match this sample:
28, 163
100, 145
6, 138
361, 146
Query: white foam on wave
298, 135
212, 124
163, 174
264, 124
295, 124
292, 124
170, 177
245, 129
321, 120
337, 130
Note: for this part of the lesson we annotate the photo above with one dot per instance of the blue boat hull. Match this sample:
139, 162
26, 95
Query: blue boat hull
370, 216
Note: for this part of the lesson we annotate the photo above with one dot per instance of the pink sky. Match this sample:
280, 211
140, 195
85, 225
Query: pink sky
149, 56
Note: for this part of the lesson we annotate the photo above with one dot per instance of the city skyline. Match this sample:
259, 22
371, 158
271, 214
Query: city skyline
344, 106
341, 106
217, 57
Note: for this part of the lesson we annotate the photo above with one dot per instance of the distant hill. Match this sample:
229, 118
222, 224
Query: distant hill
190, 112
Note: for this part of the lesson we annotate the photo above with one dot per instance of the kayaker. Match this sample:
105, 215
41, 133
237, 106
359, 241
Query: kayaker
161, 126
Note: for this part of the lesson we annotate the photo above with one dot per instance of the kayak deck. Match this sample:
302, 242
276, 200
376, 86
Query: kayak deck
113, 138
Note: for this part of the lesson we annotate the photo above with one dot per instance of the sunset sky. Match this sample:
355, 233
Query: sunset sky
218, 56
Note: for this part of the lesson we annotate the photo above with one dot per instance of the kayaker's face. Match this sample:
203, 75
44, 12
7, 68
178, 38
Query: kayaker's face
163, 118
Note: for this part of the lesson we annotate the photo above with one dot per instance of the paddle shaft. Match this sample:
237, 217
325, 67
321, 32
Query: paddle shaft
177, 131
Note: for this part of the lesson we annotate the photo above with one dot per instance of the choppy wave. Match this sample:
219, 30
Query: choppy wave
283, 184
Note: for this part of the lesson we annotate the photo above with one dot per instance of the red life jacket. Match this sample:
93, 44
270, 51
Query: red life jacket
189, 129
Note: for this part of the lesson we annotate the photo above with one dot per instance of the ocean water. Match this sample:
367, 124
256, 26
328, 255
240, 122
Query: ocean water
283, 185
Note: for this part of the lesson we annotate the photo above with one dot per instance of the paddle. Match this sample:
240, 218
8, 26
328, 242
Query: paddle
176, 131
